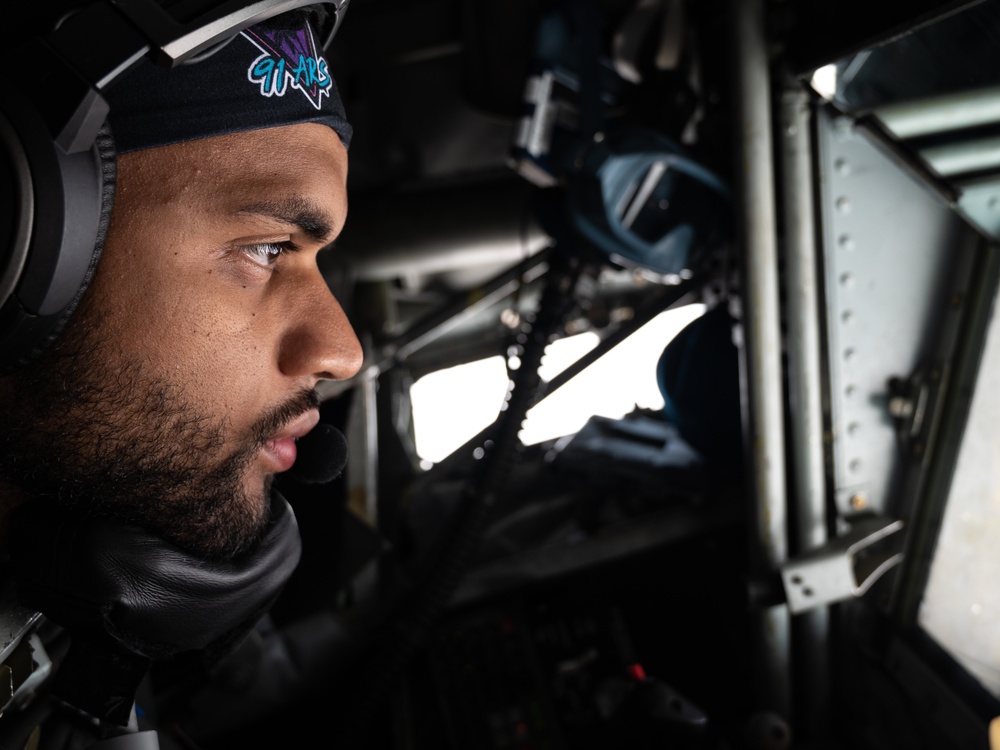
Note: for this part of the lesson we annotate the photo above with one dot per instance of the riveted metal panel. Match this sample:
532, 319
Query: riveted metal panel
889, 248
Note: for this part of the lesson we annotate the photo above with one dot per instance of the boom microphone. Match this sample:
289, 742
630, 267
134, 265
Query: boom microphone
322, 455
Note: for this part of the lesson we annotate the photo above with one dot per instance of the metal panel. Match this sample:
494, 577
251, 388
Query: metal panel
889, 241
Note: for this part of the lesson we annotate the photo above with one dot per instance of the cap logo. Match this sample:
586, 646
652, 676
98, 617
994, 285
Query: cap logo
289, 59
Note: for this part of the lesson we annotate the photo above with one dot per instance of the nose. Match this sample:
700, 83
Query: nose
319, 340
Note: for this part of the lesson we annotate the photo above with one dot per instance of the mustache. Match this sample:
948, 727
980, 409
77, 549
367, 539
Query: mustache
305, 400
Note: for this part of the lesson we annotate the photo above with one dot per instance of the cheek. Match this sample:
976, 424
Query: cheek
192, 331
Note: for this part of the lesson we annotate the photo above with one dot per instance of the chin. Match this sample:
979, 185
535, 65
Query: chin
258, 492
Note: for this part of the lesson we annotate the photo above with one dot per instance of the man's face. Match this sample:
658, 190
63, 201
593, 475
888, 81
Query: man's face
174, 394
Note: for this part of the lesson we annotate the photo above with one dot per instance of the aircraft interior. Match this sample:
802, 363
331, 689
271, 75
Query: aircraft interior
789, 210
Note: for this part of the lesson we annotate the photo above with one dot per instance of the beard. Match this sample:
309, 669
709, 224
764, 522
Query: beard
117, 441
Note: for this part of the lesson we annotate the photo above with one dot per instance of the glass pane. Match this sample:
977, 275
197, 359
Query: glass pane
936, 90
621, 381
453, 405
961, 606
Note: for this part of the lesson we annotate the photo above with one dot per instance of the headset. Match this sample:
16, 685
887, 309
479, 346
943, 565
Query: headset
631, 192
57, 161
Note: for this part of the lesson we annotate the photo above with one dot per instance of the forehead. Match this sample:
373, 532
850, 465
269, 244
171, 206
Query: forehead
222, 171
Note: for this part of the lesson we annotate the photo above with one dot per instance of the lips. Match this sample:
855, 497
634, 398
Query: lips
280, 450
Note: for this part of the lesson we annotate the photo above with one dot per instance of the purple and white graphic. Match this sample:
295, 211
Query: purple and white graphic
290, 59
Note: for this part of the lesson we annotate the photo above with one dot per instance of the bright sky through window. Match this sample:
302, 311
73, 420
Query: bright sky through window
453, 405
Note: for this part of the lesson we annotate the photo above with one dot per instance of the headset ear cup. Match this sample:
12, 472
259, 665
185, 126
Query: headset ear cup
109, 174
108, 165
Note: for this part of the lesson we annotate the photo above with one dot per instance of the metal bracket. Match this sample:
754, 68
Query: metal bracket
844, 568
913, 404
25, 668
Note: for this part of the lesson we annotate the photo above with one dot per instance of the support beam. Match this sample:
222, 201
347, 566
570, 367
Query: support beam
761, 327
810, 631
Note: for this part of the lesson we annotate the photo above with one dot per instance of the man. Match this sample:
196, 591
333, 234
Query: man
182, 381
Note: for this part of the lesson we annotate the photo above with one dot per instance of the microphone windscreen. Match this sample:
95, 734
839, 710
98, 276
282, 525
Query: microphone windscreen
322, 455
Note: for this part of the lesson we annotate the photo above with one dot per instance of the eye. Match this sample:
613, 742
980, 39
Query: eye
264, 254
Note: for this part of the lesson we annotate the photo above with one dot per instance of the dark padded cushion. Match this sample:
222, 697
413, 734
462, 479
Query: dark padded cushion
127, 597
105, 148
102, 577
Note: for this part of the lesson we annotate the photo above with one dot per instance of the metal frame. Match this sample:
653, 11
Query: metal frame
822, 33
763, 390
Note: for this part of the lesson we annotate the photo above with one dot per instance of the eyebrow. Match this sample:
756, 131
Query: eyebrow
296, 211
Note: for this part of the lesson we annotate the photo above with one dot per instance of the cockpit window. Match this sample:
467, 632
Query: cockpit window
961, 603
452, 405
